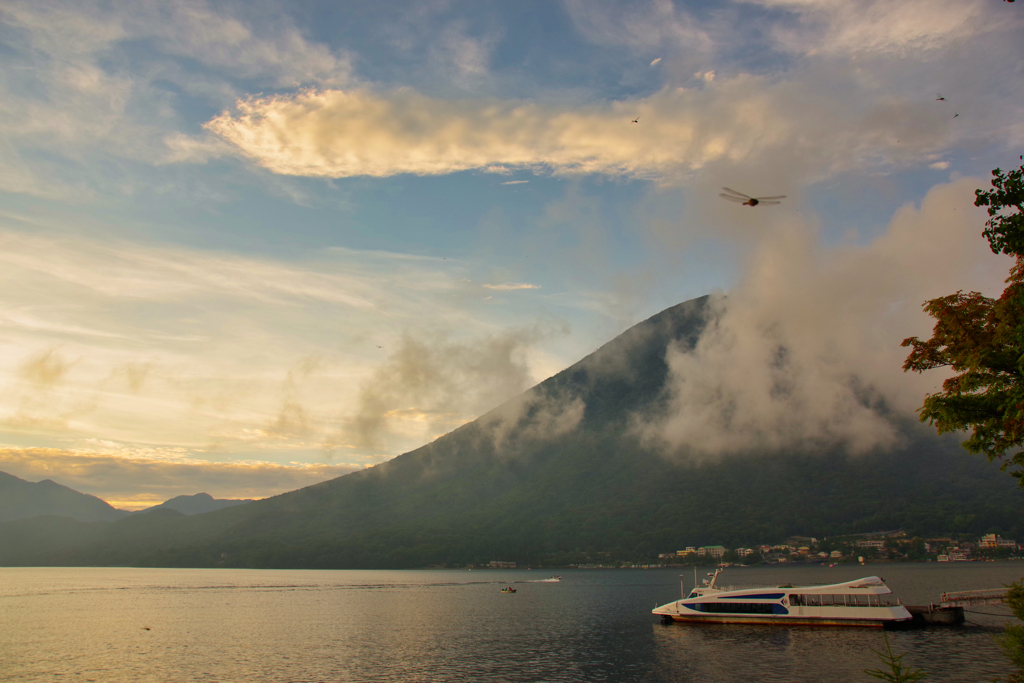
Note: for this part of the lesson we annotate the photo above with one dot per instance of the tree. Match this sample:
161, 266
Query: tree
982, 340
1012, 639
894, 670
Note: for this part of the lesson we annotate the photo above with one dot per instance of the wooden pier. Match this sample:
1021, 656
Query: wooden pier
950, 610
992, 596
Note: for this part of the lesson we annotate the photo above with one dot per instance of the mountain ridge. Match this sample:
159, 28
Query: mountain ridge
196, 504
557, 475
20, 499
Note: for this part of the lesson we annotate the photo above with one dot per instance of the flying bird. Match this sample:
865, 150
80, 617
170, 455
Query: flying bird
636, 120
747, 200
955, 115
940, 98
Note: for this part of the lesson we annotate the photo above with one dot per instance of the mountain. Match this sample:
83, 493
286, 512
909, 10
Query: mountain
557, 475
197, 504
20, 499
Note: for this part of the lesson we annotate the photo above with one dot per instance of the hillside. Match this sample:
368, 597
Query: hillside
197, 504
556, 476
20, 499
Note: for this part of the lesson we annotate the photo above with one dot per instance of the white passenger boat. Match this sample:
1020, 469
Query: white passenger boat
864, 602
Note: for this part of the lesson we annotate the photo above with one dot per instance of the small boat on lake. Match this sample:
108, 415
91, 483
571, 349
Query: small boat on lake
510, 589
553, 579
863, 602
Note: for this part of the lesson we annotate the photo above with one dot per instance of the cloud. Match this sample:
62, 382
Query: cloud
879, 26
432, 384
536, 415
641, 26
134, 479
213, 351
85, 81
509, 286
655, 61
805, 353
745, 120
514, 182
45, 369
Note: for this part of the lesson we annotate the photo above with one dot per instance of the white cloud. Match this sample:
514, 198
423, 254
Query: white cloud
741, 121
806, 353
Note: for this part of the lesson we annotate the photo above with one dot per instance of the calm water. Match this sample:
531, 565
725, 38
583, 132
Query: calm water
168, 625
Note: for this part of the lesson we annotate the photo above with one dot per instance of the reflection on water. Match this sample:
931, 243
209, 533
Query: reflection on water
772, 653
235, 625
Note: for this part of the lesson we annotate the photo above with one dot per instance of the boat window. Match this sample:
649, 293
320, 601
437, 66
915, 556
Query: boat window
737, 607
692, 594
796, 599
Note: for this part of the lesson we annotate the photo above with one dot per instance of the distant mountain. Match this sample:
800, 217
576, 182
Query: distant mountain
197, 504
557, 476
20, 499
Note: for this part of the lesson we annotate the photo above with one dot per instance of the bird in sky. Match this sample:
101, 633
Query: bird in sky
955, 115
747, 200
940, 98
636, 120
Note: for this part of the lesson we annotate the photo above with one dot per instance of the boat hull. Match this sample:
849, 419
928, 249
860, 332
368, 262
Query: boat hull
779, 621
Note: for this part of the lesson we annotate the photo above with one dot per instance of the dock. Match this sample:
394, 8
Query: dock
950, 609
992, 596
935, 615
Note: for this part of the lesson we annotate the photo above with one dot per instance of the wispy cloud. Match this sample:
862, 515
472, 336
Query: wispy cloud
215, 351
644, 25
865, 26
431, 384
508, 286
75, 89
514, 182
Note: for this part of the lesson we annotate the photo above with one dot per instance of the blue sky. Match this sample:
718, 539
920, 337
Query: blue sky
251, 246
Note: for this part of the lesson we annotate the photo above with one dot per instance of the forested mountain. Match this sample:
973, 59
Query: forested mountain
557, 475
20, 499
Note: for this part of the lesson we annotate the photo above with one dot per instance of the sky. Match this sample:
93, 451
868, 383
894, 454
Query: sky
250, 246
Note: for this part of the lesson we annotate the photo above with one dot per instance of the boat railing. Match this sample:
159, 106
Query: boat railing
746, 587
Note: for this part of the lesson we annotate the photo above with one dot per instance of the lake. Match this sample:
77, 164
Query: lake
169, 625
